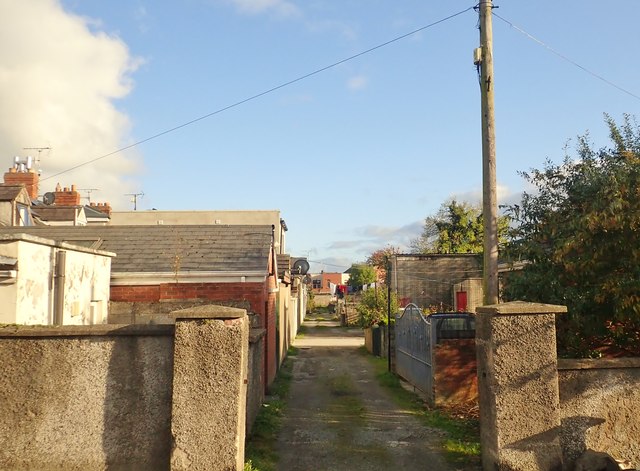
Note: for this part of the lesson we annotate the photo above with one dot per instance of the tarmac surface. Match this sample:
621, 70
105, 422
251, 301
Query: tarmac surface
339, 418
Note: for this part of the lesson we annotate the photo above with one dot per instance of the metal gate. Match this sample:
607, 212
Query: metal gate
414, 341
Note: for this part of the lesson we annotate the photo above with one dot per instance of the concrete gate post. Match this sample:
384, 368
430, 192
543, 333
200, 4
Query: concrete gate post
209, 388
518, 386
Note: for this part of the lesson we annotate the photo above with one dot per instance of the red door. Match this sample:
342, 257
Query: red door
461, 301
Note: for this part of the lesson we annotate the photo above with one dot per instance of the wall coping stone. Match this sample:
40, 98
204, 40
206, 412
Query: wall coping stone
597, 363
521, 308
22, 237
104, 330
209, 311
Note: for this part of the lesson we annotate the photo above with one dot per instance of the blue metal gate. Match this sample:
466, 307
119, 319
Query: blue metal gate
414, 341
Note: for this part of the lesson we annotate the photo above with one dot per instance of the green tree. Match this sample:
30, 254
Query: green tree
456, 228
372, 307
379, 259
361, 275
579, 233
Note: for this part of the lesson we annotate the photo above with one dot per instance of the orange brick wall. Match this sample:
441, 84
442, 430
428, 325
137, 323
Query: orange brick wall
456, 383
252, 292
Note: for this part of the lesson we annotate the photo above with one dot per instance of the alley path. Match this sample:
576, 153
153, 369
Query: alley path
339, 418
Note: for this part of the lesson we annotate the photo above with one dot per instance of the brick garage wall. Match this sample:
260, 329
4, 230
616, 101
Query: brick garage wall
253, 293
135, 294
456, 381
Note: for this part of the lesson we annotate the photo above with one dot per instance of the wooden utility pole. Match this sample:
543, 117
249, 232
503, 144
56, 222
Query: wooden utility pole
489, 194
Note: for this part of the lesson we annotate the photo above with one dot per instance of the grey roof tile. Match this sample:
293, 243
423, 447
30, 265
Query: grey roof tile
160, 248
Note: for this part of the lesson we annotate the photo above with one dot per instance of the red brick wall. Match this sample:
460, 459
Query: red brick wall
252, 292
135, 293
456, 383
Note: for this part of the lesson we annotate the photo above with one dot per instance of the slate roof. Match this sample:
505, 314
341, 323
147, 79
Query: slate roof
56, 213
10, 192
95, 214
162, 248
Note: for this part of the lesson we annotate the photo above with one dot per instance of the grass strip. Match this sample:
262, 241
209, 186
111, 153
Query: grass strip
260, 454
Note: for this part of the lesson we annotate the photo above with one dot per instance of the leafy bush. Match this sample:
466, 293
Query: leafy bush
372, 308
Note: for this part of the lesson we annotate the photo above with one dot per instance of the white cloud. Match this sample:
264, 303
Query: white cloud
59, 77
357, 83
504, 194
282, 8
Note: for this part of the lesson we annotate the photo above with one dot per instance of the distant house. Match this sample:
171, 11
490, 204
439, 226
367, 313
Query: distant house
62, 207
321, 282
442, 282
15, 206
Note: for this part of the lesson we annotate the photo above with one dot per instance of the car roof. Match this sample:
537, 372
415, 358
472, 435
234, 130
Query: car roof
452, 314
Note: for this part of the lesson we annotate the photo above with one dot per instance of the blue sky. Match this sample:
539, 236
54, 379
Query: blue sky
354, 157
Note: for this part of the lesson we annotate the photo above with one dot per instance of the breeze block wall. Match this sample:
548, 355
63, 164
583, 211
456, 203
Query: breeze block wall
428, 280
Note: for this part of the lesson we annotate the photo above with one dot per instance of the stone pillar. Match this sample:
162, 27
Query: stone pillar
518, 386
209, 388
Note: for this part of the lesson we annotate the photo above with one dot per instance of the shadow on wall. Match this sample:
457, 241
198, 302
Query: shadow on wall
573, 436
573, 439
137, 409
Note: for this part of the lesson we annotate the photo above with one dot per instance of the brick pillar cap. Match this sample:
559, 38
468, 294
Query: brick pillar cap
521, 308
210, 311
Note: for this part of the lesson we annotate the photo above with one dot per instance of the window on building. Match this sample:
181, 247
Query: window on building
24, 216
316, 284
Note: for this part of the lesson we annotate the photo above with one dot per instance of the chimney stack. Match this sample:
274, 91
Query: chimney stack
102, 207
66, 196
22, 174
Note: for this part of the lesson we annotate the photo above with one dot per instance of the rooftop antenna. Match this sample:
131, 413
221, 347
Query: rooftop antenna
134, 198
89, 191
39, 149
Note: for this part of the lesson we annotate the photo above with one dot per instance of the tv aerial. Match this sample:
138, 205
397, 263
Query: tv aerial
39, 149
134, 198
89, 191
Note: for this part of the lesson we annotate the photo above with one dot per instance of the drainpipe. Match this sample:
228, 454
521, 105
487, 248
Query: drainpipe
273, 252
58, 308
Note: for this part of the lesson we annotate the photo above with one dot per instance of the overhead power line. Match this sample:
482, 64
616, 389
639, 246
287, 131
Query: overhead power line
261, 94
565, 58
